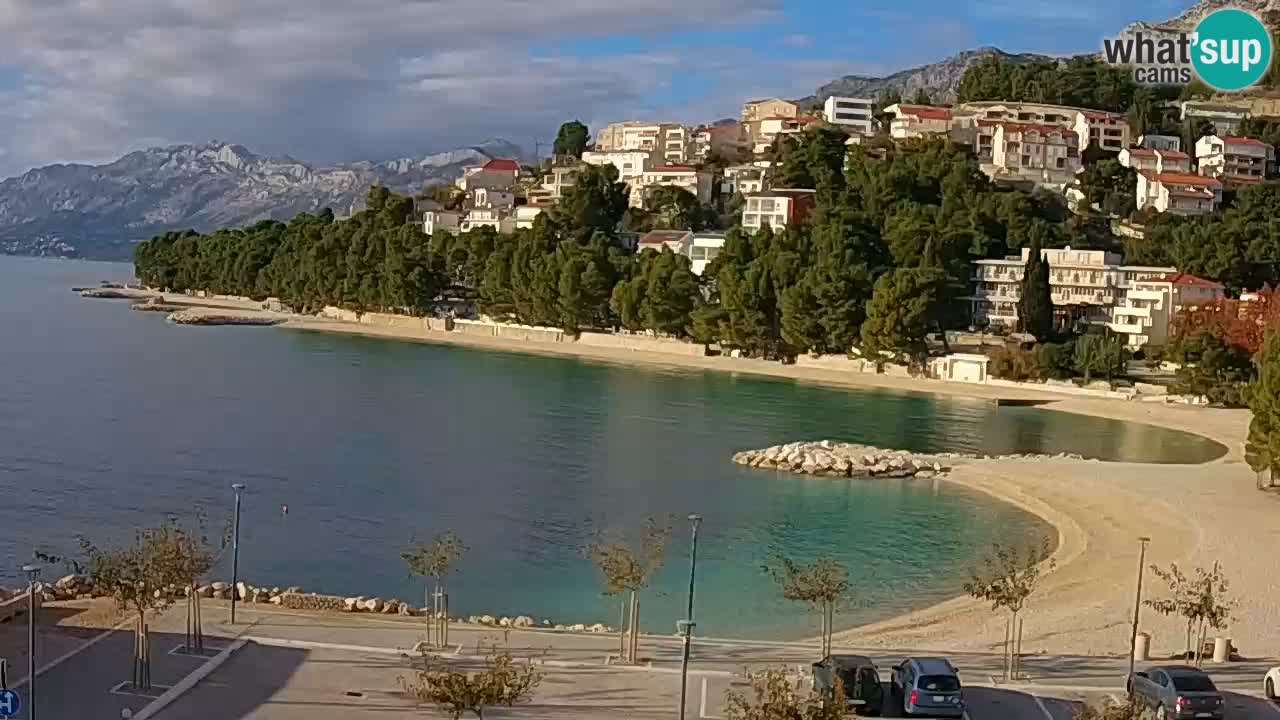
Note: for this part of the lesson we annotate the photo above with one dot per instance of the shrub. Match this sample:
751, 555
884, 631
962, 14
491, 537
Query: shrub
1056, 360
1014, 364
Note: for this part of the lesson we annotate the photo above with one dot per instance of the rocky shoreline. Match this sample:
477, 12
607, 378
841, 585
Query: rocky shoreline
200, 316
156, 304
77, 587
829, 458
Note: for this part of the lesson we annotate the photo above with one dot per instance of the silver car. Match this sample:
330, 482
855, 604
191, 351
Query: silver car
928, 686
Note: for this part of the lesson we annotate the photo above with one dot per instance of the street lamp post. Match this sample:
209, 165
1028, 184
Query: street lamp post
688, 623
235, 551
1137, 605
32, 571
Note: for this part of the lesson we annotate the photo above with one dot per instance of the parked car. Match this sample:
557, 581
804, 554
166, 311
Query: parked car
928, 686
1177, 692
1271, 684
858, 677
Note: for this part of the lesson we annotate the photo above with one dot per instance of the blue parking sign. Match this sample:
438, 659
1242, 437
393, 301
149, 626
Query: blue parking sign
10, 703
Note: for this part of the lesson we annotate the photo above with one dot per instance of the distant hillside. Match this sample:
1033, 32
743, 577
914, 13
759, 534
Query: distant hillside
939, 79
100, 211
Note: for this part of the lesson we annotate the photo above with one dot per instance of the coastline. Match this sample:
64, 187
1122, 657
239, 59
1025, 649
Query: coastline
1195, 514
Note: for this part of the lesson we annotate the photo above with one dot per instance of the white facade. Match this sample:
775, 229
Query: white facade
1109, 131
669, 141
857, 113
558, 180
1155, 161
1093, 281
1147, 311
677, 141
753, 110
433, 220
727, 140
1178, 193
1226, 119
776, 208
703, 248
681, 176
1238, 160
742, 179
1044, 154
525, 215
631, 164
918, 121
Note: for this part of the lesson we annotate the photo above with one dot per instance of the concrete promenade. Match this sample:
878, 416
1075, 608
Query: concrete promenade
288, 665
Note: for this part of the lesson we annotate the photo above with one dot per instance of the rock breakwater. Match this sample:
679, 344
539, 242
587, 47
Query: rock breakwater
829, 458
203, 316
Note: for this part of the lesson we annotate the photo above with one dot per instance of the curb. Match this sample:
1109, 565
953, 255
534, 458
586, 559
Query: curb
182, 686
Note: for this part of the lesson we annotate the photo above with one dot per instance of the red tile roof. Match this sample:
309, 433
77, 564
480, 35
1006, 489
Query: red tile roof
673, 168
1142, 152
1184, 179
1102, 115
1246, 179
1244, 141
1173, 155
925, 112
502, 164
1188, 279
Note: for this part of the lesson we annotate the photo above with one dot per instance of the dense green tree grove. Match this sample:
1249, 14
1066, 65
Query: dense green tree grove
571, 139
1081, 82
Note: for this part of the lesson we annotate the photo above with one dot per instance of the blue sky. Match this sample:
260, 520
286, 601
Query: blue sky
332, 80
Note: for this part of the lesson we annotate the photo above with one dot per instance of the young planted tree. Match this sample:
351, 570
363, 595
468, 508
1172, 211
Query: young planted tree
1008, 577
774, 697
501, 681
193, 559
435, 560
821, 584
627, 568
1203, 602
138, 577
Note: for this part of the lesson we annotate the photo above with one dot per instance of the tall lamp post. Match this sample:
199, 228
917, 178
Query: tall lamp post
1137, 604
32, 571
235, 551
687, 625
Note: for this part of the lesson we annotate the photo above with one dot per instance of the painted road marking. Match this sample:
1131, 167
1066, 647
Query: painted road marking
1048, 715
122, 688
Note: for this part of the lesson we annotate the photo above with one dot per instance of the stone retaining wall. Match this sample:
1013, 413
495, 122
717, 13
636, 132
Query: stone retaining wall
404, 322
311, 601
643, 343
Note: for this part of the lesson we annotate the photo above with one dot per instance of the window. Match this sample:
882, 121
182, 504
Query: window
939, 683
779, 220
698, 253
766, 205
1062, 162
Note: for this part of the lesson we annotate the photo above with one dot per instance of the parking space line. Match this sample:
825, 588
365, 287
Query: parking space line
1048, 715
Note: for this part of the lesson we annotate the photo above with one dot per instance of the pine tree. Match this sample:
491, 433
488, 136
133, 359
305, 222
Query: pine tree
898, 312
1035, 306
1262, 449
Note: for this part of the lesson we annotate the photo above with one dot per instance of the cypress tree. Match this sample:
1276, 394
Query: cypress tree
1262, 449
1035, 306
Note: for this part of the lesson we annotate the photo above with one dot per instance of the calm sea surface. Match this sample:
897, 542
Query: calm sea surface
110, 419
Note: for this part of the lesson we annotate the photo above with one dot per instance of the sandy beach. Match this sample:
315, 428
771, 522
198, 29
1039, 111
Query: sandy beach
1194, 514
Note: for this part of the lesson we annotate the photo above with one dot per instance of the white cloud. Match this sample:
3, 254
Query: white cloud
324, 80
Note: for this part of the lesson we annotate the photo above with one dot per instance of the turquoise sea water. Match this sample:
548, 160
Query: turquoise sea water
109, 419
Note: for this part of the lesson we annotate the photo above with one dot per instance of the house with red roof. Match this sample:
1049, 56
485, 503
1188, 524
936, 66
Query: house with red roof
918, 121
494, 174
1178, 193
1147, 311
1155, 161
1043, 154
695, 180
1235, 160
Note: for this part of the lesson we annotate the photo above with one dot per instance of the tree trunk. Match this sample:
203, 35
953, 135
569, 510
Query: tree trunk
635, 629
622, 629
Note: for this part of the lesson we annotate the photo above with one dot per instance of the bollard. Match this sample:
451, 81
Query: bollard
1142, 647
1221, 649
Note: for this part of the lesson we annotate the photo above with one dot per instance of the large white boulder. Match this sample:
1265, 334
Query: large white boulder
522, 621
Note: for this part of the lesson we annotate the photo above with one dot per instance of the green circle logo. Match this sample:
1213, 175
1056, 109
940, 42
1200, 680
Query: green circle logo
1231, 49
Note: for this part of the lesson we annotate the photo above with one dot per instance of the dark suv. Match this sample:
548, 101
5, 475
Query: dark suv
928, 686
858, 677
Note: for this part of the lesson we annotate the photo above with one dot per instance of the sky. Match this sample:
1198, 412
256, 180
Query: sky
329, 81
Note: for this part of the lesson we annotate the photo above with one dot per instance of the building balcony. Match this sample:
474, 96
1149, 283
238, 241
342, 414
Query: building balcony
1153, 295
1126, 328
1131, 312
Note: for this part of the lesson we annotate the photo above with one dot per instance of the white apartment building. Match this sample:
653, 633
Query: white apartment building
764, 132
918, 121
677, 142
1226, 119
497, 174
681, 176
703, 248
1086, 286
1043, 154
557, 180
1178, 193
856, 113
525, 215
777, 208
670, 141
743, 179
433, 220
753, 110
1160, 142
1236, 160
1155, 161
726, 139
1148, 309
1109, 131
631, 164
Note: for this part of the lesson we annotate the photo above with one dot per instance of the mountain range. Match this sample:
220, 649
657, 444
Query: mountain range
100, 211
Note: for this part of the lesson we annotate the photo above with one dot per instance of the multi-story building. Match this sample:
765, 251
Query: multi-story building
1043, 154
1109, 131
1160, 142
496, 174
682, 176
1085, 286
631, 164
433, 220
1235, 160
726, 139
1147, 311
918, 121
703, 248
666, 139
558, 179
856, 113
524, 216
754, 110
742, 179
1226, 119
777, 208
1155, 161
764, 132
1178, 193
658, 240
677, 142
